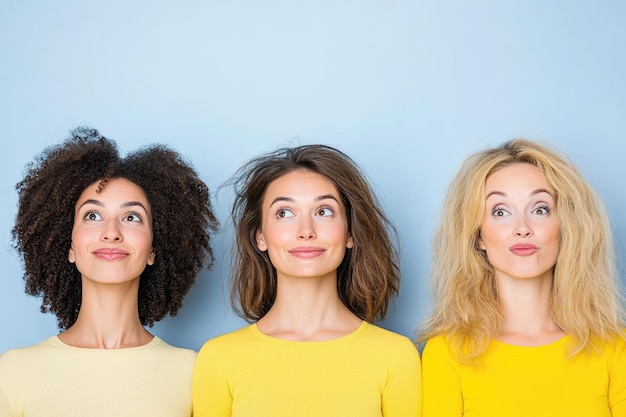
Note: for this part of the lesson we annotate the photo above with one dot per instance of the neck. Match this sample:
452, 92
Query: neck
108, 317
527, 313
308, 309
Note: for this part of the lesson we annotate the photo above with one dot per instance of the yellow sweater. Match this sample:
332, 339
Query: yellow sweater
52, 379
371, 372
519, 381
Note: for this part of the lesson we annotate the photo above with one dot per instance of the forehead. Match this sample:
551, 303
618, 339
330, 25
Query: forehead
300, 184
116, 189
517, 176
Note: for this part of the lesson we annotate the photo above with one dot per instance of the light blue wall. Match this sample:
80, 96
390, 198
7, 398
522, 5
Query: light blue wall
407, 88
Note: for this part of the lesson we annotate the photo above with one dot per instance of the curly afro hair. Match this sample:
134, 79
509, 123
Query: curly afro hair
183, 221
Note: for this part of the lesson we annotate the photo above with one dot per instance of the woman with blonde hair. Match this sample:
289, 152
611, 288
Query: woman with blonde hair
527, 318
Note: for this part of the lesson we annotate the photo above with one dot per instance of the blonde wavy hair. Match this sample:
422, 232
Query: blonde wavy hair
586, 300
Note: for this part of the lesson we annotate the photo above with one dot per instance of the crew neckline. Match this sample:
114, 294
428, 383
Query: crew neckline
254, 329
56, 341
561, 340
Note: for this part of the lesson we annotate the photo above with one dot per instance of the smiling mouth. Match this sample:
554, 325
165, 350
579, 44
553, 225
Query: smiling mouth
306, 252
110, 254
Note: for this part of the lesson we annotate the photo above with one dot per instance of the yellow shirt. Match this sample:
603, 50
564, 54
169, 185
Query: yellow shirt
522, 381
371, 372
53, 379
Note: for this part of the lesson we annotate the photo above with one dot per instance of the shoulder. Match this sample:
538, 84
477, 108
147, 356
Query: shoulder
383, 340
30, 358
437, 343
614, 347
438, 361
230, 340
177, 353
437, 347
618, 342
228, 350
390, 353
376, 332
45, 347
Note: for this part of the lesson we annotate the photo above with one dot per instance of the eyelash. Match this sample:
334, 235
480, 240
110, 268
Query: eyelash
326, 208
497, 209
132, 213
543, 207
85, 217
125, 217
287, 209
281, 210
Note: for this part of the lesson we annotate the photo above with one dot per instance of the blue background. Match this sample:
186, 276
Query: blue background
407, 88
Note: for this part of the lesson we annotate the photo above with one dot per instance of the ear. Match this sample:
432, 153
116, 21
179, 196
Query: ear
70, 255
349, 242
260, 241
481, 244
151, 257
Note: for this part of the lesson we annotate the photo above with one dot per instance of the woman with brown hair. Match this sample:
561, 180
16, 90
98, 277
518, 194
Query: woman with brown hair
315, 266
527, 318
112, 244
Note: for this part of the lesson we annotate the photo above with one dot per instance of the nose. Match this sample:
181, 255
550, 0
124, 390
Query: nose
111, 232
522, 227
306, 230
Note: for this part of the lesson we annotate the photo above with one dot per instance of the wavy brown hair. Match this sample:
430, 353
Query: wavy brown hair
182, 221
368, 276
586, 300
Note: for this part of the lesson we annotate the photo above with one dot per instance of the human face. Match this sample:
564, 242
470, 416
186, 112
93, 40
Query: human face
520, 229
304, 227
112, 233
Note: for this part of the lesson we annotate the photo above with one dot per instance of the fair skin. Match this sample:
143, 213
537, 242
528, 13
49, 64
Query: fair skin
111, 246
520, 235
304, 230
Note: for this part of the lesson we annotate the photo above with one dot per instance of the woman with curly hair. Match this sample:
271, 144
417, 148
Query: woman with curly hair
315, 266
112, 244
527, 318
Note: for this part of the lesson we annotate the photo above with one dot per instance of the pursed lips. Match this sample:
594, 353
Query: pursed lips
523, 249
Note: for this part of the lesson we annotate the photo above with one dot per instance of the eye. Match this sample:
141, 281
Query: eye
132, 217
500, 212
325, 211
284, 213
542, 210
92, 216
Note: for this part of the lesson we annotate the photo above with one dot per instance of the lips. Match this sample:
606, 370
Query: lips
523, 249
109, 254
306, 252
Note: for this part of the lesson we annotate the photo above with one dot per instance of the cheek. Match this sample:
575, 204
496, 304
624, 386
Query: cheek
552, 232
140, 239
79, 239
271, 236
147, 239
555, 237
333, 233
493, 238
488, 234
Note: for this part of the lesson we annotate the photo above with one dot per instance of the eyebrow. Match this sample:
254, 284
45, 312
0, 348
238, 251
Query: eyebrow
535, 192
291, 200
123, 205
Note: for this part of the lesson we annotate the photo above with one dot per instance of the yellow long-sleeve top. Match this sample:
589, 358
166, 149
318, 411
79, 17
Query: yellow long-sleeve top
371, 372
53, 379
522, 381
